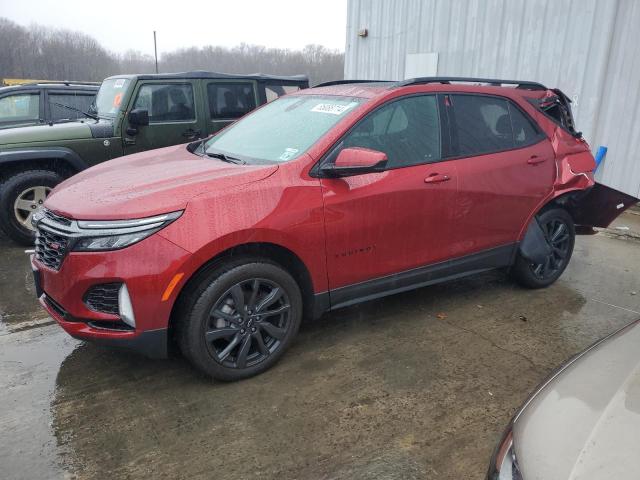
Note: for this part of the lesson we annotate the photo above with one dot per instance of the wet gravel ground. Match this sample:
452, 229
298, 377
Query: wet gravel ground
419, 385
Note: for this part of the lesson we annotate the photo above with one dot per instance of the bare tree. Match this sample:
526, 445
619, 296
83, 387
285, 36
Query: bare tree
39, 52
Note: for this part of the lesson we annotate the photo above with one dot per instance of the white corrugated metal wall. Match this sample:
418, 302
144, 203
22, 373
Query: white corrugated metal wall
588, 48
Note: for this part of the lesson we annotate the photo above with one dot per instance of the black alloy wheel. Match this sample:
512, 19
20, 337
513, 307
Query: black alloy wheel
248, 323
559, 233
237, 318
556, 232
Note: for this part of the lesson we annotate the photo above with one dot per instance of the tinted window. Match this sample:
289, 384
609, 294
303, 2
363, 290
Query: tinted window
74, 100
230, 100
524, 133
25, 106
482, 124
407, 130
166, 102
275, 91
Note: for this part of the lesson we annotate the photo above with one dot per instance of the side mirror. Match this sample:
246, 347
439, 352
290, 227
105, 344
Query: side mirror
356, 161
139, 117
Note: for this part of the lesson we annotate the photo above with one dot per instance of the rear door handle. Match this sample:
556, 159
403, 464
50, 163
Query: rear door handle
534, 160
437, 178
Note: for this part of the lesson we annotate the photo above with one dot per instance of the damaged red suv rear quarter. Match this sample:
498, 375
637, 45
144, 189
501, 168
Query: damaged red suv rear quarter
322, 199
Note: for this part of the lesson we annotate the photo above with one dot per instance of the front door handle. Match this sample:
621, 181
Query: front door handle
534, 160
191, 133
437, 178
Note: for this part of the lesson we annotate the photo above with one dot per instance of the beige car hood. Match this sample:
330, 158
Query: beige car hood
585, 423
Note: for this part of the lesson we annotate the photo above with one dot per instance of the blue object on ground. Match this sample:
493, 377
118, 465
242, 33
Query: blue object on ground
600, 154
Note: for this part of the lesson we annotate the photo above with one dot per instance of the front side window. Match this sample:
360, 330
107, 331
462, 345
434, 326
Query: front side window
22, 107
170, 102
407, 130
230, 100
283, 129
76, 101
274, 91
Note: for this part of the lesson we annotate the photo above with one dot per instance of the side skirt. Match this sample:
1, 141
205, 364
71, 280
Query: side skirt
416, 278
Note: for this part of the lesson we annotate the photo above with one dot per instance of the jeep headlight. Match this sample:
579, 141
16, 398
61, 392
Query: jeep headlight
101, 235
504, 465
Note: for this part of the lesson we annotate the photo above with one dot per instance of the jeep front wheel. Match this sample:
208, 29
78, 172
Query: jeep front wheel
21, 196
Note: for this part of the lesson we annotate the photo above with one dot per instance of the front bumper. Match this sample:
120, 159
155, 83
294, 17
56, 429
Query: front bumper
146, 268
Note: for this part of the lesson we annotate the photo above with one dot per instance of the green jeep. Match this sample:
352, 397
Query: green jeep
132, 113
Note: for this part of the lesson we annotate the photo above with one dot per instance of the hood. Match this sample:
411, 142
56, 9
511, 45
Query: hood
148, 183
584, 423
44, 133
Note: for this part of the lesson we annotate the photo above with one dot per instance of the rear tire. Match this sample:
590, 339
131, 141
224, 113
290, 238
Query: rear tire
559, 231
239, 318
22, 195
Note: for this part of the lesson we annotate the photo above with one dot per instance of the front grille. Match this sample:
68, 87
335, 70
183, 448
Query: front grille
103, 298
51, 248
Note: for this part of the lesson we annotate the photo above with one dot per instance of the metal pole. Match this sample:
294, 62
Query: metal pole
155, 48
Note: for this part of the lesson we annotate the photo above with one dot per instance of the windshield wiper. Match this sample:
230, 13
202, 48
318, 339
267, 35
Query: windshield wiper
225, 158
90, 115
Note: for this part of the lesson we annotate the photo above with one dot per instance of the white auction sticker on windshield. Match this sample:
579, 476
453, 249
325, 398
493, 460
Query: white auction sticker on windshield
288, 154
119, 83
332, 108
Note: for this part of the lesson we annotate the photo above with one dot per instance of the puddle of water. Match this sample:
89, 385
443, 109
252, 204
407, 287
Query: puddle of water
29, 362
18, 301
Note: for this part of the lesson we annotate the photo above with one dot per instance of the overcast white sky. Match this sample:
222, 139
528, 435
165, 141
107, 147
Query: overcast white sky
123, 25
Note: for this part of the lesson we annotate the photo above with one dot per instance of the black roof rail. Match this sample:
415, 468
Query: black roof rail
346, 82
61, 82
491, 81
215, 75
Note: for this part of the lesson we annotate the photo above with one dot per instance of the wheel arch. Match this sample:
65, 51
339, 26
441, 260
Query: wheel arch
278, 254
61, 160
560, 201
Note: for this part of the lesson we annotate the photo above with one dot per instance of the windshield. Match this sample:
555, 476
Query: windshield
110, 96
282, 130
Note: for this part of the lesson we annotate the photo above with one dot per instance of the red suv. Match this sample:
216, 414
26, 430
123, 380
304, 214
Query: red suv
321, 199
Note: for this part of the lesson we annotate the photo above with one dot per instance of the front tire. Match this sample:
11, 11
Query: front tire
21, 196
239, 319
559, 232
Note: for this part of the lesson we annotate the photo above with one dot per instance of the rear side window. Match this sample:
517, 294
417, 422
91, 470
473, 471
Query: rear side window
25, 106
166, 102
524, 132
274, 91
73, 100
407, 130
485, 124
482, 124
230, 100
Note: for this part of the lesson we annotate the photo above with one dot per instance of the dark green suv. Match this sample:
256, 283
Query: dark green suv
131, 113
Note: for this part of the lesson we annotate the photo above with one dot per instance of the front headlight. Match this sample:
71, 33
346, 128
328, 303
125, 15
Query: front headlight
504, 465
101, 235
